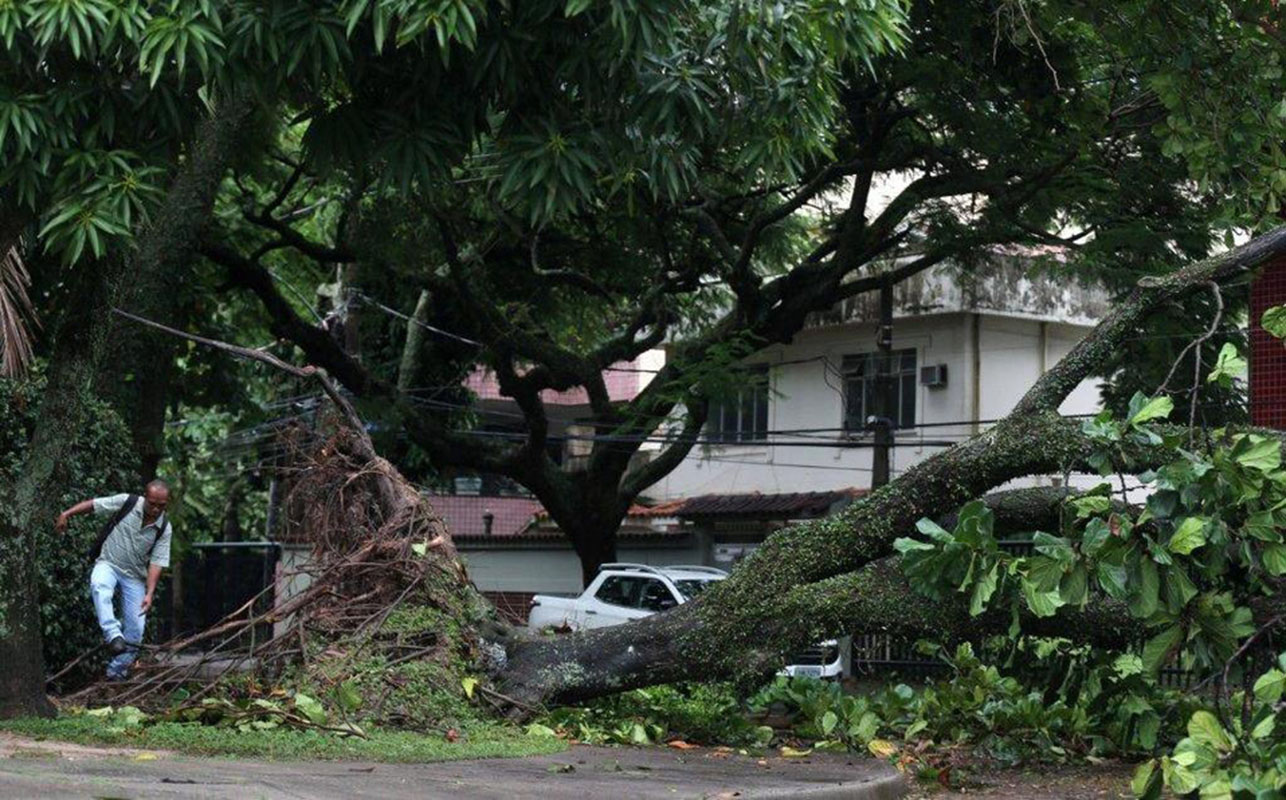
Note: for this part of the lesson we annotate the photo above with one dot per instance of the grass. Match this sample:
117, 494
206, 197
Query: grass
483, 741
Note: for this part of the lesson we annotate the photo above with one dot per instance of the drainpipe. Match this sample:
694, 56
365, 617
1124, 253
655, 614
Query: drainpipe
975, 390
882, 414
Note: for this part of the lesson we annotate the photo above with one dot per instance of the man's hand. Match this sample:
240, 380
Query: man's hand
146, 604
61, 525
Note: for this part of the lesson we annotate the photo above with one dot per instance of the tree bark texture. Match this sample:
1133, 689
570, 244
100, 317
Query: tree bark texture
79, 354
817, 580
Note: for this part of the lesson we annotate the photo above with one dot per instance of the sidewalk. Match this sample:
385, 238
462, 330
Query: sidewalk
30, 768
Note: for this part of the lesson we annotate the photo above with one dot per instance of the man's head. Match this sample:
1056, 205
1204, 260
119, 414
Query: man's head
156, 496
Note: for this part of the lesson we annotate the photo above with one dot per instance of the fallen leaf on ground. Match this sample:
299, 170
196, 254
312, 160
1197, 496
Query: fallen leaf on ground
679, 744
146, 757
791, 752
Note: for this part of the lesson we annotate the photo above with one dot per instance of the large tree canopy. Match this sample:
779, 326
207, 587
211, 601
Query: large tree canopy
714, 198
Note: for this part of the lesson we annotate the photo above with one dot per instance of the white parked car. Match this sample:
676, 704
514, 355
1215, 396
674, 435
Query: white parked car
623, 592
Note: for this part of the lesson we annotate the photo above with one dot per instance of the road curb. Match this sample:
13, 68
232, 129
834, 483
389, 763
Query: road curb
887, 787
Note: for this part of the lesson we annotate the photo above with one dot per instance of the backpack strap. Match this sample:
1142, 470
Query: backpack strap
162, 525
110, 525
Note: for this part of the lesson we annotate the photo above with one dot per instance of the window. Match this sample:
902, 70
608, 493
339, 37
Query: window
743, 416
620, 590
859, 388
629, 591
656, 596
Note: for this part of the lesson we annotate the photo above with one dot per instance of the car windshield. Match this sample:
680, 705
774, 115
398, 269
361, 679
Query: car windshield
691, 587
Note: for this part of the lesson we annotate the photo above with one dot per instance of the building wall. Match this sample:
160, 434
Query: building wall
1012, 353
554, 569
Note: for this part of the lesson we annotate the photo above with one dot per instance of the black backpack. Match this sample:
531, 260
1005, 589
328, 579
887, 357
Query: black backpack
110, 525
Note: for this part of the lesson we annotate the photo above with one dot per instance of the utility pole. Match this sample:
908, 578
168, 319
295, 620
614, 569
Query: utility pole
884, 408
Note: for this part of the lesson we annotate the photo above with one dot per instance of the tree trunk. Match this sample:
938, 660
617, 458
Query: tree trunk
79, 352
812, 581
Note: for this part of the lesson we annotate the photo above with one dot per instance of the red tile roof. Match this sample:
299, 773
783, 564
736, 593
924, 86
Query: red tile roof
463, 513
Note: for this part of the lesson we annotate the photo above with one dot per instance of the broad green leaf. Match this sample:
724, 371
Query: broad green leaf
470, 685
1112, 578
1270, 686
1274, 321
1179, 588
1096, 534
829, 720
1188, 536
350, 699
1159, 647
982, 590
1089, 505
311, 708
1228, 365
1144, 410
1204, 728
1263, 455
1146, 783
1041, 603
1274, 558
1143, 602
1127, 664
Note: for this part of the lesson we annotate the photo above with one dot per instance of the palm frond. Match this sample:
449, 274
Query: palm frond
17, 317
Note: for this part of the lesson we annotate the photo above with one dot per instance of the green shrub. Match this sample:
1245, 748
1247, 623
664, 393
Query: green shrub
698, 713
100, 463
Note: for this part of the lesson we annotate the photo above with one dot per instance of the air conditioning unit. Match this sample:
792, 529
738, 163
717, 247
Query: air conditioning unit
935, 376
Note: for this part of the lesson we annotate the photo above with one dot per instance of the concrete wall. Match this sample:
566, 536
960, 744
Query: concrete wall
1011, 352
551, 569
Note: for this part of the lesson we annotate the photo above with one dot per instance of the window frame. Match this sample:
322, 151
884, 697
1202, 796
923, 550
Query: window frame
859, 368
758, 391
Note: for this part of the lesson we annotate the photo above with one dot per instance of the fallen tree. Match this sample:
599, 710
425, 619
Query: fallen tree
817, 579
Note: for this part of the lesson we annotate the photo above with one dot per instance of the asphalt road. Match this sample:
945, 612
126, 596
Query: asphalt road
43, 769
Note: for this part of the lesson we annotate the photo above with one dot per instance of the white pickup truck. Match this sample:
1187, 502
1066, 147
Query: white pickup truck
623, 592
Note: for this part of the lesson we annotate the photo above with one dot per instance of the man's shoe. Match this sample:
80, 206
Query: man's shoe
117, 645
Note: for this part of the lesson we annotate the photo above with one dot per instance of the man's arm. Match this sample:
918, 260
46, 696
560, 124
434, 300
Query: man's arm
153, 575
83, 507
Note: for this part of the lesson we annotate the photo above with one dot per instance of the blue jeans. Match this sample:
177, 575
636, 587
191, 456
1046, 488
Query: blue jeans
103, 583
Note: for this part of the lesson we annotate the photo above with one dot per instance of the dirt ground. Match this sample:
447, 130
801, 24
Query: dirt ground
1107, 781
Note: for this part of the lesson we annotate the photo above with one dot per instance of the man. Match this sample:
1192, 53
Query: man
135, 551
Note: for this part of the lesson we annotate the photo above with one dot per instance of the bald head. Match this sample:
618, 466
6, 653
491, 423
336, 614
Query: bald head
156, 497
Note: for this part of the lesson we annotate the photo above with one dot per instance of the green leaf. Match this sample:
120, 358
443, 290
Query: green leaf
1228, 365
1143, 603
1179, 589
1096, 534
469, 684
350, 699
983, 590
1159, 647
1274, 558
536, 729
1270, 686
1041, 603
1188, 536
1258, 453
1146, 783
1089, 505
1143, 410
311, 708
1204, 728
1274, 321
829, 720
1112, 578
